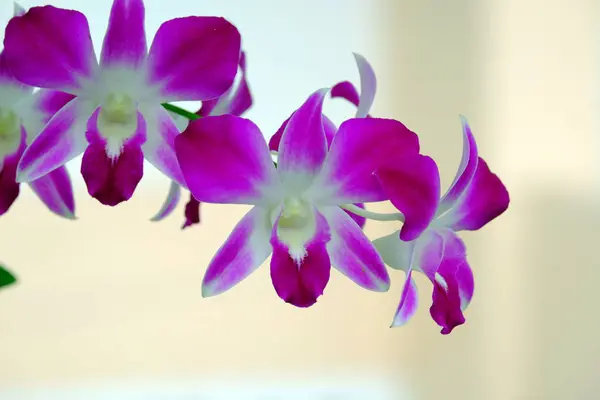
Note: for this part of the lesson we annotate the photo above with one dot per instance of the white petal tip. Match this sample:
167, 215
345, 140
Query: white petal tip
18, 9
463, 119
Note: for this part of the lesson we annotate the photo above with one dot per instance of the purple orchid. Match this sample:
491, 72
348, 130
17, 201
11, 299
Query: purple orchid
116, 118
431, 245
23, 114
363, 102
297, 215
235, 101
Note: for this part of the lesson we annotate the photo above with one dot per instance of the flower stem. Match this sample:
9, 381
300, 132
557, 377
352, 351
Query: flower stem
373, 215
180, 111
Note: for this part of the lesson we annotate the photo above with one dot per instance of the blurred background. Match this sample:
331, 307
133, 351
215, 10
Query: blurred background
109, 306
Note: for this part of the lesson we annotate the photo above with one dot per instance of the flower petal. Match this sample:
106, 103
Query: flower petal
56, 192
159, 147
347, 91
112, 181
409, 302
246, 248
60, 141
49, 102
359, 147
192, 213
194, 58
303, 146
236, 100
301, 283
359, 219
352, 253
50, 48
171, 202
466, 169
483, 200
395, 253
225, 160
412, 184
328, 126
125, 39
368, 86
9, 187
18, 9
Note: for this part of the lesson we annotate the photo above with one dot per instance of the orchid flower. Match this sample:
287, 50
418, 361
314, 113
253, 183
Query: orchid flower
364, 101
431, 246
235, 101
297, 213
22, 116
116, 118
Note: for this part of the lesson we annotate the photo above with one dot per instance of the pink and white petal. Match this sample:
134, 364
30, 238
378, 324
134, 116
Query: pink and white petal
18, 9
412, 184
159, 147
359, 147
13, 91
59, 142
328, 126
409, 302
9, 187
191, 213
194, 58
345, 90
395, 253
49, 102
51, 48
246, 248
125, 39
225, 160
352, 253
301, 283
56, 192
483, 200
466, 169
170, 203
368, 86
359, 219
303, 145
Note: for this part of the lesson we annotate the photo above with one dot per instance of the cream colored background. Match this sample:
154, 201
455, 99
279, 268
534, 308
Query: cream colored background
113, 297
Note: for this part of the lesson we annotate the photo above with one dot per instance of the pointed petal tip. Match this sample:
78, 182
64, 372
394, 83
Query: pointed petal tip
18, 9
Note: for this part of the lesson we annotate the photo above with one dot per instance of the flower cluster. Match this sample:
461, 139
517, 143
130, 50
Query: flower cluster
307, 186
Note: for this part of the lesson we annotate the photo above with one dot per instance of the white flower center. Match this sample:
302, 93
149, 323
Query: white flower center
10, 132
297, 225
117, 121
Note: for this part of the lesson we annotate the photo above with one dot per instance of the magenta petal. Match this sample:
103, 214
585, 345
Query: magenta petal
49, 102
159, 147
353, 254
466, 169
409, 302
56, 192
483, 200
50, 48
359, 219
225, 160
246, 248
60, 141
412, 184
359, 147
303, 144
170, 203
191, 213
9, 187
236, 101
347, 91
112, 181
328, 126
125, 39
194, 58
300, 284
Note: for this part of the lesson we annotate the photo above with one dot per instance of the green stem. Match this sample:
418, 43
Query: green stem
180, 111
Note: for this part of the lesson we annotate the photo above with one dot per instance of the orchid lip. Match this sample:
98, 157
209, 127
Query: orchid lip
117, 121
